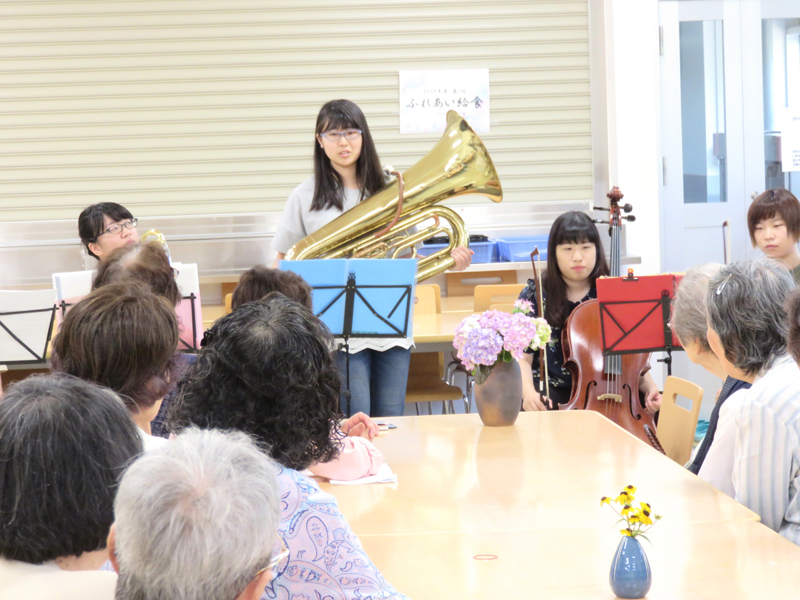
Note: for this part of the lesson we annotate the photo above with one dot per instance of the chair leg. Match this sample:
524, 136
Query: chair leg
416, 405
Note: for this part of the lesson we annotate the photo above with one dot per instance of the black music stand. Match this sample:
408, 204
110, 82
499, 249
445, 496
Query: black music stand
17, 337
369, 303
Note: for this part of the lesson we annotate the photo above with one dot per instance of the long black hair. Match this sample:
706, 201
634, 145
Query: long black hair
328, 184
570, 228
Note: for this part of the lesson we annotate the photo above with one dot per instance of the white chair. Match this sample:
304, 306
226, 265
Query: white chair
26, 323
70, 288
190, 310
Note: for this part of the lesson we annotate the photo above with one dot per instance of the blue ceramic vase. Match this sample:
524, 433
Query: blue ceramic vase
630, 572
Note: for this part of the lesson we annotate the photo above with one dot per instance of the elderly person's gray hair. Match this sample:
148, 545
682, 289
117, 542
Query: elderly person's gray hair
746, 309
689, 314
196, 519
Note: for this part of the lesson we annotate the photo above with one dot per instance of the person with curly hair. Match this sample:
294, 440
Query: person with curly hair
267, 371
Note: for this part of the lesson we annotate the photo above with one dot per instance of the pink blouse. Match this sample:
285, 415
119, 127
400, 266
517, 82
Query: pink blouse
358, 458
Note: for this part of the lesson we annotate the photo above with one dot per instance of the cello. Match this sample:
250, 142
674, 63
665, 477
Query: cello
606, 384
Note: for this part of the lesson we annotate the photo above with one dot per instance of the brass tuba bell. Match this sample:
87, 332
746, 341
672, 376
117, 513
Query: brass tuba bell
159, 238
459, 164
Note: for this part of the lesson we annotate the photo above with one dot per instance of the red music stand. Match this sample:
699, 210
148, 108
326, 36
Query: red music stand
635, 313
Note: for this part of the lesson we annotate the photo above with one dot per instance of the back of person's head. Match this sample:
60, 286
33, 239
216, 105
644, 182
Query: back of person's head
774, 203
91, 223
266, 370
121, 336
746, 308
196, 519
64, 444
689, 314
793, 311
145, 262
259, 281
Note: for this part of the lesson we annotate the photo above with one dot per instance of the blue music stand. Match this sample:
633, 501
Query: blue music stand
360, 298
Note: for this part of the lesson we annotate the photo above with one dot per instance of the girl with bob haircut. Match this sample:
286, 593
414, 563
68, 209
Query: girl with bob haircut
347, 171
106, 226
575, 259
266, 370
773, 220
64, 444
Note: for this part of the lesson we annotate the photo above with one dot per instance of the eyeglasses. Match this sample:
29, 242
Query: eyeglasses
116, 228
349, 134
274, 561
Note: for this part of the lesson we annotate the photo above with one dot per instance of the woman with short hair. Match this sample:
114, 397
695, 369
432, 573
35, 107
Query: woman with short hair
64, 444
713, 460
748, 329
267, 370
124, 337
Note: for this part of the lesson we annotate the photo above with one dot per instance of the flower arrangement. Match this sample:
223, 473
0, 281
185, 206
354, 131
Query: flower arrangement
484, 340
637, 521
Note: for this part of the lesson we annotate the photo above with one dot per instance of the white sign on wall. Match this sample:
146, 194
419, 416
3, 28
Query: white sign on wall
426, 96
790, 139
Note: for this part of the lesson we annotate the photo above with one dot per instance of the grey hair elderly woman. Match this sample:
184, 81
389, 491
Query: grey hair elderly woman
690, 323
748, 331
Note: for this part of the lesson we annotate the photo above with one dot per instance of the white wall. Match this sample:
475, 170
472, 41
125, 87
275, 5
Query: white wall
632, 108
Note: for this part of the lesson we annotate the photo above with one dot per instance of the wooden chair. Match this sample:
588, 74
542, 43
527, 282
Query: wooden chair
463, 283
3, 369
503, 307
426, 371
486, 295
676, 425
228, 303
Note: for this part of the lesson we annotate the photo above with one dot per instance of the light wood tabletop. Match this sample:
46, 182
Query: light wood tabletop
551, 468
728, 560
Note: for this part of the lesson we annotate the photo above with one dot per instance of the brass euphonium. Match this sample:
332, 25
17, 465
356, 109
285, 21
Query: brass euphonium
160, 239
458, 164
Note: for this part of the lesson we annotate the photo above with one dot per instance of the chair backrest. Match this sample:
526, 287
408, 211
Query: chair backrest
503, 307
463, 283
486, 295
76, 284
676, 425
228, 304
427, 300
27, 318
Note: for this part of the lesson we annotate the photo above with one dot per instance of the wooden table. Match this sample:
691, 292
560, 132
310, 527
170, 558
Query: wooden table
728, 560
550, 469
530, 495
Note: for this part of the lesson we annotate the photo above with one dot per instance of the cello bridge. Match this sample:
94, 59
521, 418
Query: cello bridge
612, 397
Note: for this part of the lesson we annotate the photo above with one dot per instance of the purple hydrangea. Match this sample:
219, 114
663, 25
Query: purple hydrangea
482, 339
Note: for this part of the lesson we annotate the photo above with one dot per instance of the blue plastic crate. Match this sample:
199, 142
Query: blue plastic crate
485, 252
519, 248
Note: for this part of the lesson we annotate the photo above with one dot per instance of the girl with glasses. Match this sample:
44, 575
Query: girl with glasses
106, 226
347, 171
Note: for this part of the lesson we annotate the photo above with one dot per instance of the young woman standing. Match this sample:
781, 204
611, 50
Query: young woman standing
347, 171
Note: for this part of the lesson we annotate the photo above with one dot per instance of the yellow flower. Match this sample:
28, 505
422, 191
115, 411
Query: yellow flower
625, 532
624, 498
630, 489
634, 518
626, 510
645, 506
605, 500
643, 516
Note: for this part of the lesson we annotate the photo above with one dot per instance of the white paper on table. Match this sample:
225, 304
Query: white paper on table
385, 475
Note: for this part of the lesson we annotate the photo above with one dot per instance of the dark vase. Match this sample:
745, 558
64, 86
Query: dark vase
630, 572
499, 397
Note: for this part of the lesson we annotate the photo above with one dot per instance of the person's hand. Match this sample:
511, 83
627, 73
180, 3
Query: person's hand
652, 401
532, 401
360, 425
462, 256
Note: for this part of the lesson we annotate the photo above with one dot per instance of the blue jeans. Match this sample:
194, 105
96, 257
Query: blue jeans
377, 381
